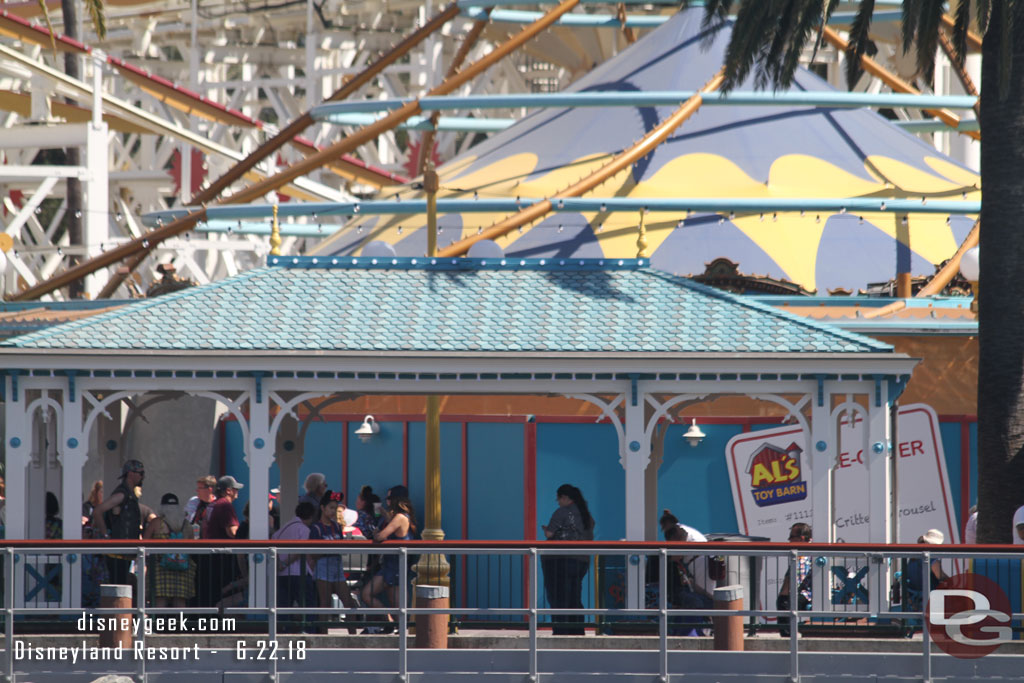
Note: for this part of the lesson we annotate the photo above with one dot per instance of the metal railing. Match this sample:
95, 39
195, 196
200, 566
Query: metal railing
625, 588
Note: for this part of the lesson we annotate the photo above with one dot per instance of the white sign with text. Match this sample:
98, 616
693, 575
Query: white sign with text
769, 472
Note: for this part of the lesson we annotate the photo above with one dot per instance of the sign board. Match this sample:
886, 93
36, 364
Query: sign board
770, 477
769, 473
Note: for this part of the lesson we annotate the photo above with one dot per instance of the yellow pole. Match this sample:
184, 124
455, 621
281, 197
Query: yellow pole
432, 569
641, 238
430, 186
275, 235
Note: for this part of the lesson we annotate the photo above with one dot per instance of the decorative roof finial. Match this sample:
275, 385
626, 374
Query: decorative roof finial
275, 235
641, 239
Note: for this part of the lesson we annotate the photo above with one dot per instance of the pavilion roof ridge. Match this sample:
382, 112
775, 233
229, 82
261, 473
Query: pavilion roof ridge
752, 303
457, 263
133, 307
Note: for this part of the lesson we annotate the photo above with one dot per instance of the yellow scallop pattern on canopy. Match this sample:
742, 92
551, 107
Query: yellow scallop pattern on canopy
562, 177
498, 179
801, 175
700, 175
910, 179
929, 235
792, 242
953, 172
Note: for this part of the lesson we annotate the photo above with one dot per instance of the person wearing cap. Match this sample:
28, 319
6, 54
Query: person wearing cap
173, 574
1018, 526
913, 575
120, 516
221, 524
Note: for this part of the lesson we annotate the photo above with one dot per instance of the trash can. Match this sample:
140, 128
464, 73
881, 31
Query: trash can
743, 571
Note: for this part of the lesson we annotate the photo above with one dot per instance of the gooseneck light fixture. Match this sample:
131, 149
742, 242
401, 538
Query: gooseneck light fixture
366, 430
694, 435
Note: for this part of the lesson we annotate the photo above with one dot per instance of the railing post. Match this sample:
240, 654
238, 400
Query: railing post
140, 609
794, 625
663, 613
926, 583
9, 612
403, 617
534, 674
272, 602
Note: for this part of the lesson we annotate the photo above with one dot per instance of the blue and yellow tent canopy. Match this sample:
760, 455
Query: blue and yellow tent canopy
722, 152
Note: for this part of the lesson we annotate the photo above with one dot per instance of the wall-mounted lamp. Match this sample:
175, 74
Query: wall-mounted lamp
693, 434
366, 430
970, 268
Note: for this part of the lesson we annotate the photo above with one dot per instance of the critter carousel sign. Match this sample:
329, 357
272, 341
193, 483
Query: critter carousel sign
769, 475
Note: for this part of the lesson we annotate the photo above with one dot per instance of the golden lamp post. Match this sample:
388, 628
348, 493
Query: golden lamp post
432, 569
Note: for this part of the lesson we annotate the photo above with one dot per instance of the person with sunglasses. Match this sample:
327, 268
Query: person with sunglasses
328, 570
120, 516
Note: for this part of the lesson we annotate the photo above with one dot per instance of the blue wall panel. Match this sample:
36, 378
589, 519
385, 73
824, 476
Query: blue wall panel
451, 475
495, 483
378, 462
586, 456
949, 434
694, 482
496, 493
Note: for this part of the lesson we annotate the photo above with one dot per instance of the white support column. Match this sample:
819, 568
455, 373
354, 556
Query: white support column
823, 449
634, 454
259, 455
73, 453
879, 485
97, 208
18, 432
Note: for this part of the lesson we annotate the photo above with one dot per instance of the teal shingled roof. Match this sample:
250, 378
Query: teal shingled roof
464, 305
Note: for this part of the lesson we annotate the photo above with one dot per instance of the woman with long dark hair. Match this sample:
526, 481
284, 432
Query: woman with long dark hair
400, 526
563, 574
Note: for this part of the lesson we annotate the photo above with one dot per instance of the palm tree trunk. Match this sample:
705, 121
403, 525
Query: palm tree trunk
1001, 314
73, 215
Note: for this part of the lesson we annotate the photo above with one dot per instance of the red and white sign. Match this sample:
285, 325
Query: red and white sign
771, 481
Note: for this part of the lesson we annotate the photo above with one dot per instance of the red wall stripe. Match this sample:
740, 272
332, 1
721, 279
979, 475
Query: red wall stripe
965, 474
530, 498
344, 462
405, 453
463, 583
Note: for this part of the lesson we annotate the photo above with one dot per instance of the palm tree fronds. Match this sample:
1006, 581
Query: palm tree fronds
911, 20
49, 25
983, 10
807, 22
961, 25
859, 40
99, 21
715, 12
929, 20
748, 40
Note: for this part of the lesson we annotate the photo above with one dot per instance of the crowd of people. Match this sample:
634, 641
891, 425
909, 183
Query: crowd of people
221, 580
318, 579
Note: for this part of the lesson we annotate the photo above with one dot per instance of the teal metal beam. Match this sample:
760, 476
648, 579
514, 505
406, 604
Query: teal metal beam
324, 112
496, 125
512, 16
682, 205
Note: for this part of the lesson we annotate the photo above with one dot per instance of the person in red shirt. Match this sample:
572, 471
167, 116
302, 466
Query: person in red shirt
222, 523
